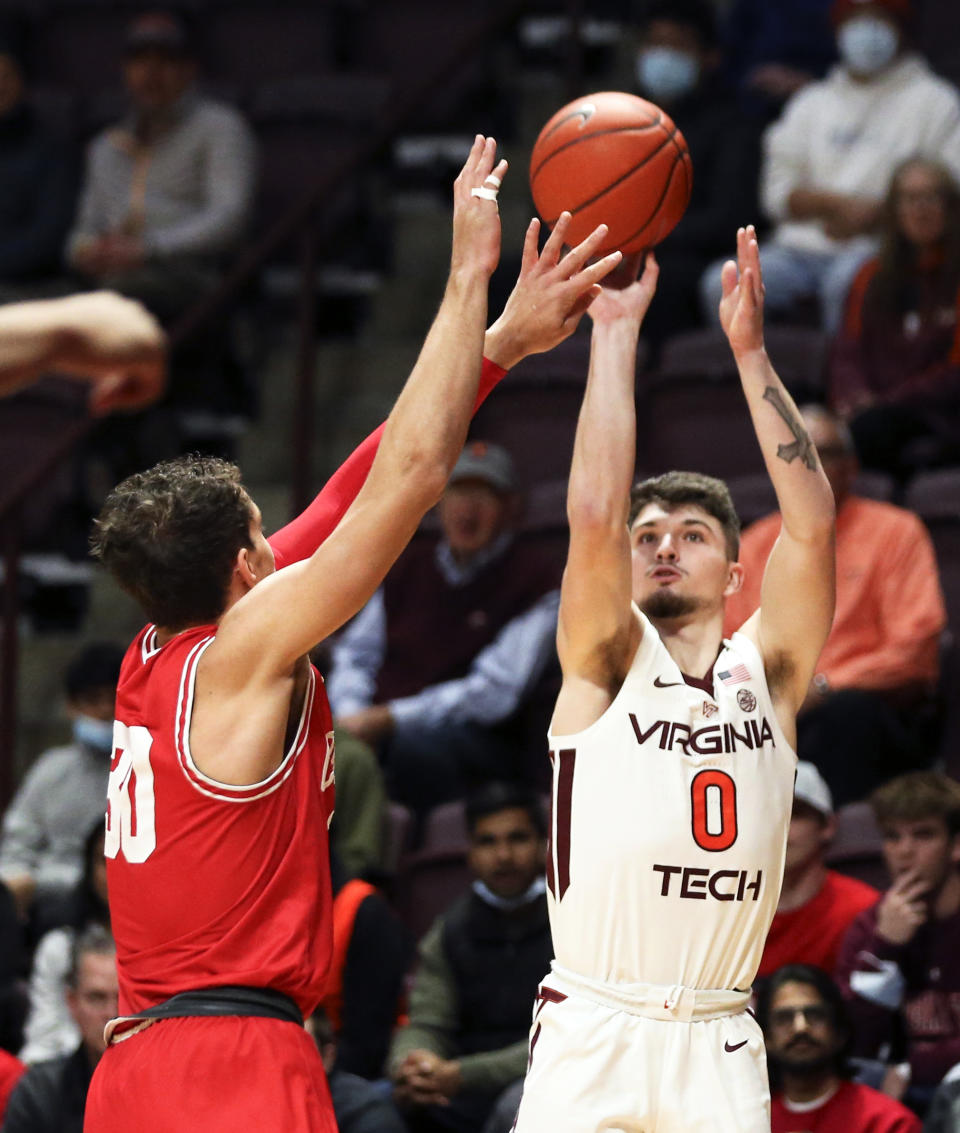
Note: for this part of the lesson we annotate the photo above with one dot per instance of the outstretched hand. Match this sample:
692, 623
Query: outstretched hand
115, 344
741, 307
476, 215
551, 295
623, 295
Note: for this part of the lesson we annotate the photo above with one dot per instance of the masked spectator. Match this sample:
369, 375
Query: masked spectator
828, 159
480, 965
64, 792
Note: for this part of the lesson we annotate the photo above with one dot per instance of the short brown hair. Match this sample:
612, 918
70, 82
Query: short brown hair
169, 536
673, 489
915, 796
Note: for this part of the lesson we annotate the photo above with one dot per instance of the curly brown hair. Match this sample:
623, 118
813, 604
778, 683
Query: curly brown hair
170, 535
673, 489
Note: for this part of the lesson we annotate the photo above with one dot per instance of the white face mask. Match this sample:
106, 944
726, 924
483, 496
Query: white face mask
867, 44
666, 73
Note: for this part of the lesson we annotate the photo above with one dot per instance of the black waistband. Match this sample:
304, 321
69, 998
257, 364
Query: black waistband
262, 1002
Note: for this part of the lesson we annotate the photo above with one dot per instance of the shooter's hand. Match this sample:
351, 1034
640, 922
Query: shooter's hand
741, 308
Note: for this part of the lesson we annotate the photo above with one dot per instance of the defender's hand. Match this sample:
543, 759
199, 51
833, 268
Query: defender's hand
476, 218
551, 294
741, 308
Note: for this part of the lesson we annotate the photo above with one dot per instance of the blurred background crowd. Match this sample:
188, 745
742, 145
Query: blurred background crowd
272, 182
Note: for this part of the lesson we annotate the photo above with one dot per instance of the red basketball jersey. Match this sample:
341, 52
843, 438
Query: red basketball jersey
212, 884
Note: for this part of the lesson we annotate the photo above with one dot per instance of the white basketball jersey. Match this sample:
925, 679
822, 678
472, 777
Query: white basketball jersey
669, 826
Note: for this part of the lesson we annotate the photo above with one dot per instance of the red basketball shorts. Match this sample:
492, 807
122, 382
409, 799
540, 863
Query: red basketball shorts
211, 1075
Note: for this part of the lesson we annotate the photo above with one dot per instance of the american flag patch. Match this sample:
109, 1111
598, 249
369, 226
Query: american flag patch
735, 675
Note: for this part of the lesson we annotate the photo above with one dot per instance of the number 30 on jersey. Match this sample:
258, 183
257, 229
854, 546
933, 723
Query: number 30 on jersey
131, 826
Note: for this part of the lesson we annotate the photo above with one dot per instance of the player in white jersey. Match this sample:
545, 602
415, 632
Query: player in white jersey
672, 752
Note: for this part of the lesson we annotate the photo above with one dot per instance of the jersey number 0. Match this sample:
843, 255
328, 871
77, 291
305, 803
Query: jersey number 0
713, 816
131, 826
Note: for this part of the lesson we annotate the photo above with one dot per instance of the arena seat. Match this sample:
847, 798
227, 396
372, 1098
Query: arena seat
397, 834
445, 828
798, 354
429, 882
249, 42
857, 848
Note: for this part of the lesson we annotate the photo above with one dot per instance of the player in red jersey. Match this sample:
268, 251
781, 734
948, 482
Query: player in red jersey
221, 782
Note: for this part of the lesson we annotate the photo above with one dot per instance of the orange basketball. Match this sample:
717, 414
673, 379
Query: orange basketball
612, 158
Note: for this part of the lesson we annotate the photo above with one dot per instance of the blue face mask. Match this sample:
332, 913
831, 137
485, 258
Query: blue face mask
867, 44
96, 734
665, 73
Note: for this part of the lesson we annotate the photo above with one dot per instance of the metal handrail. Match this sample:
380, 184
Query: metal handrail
303, 218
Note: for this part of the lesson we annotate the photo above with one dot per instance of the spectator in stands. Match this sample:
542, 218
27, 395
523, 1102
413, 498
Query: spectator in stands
865, 718
38, 178
166, 196
362, 995
436, 668
359, 1106
773, 50
817, 905
677, 68
167, 190
64, 792
829, 158
50, 1097
50, 1028
808, 1038
480, 965
895, 371
899, 965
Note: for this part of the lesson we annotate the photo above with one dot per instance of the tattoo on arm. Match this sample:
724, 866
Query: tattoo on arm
801, 446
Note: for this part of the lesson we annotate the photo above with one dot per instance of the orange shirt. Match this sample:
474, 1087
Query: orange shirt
890, 610
812, 933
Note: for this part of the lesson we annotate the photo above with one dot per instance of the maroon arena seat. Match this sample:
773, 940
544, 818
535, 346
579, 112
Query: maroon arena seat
857, 849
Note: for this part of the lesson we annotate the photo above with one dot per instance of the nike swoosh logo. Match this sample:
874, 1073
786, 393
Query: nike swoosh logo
584, 112
736, 1046
657, 683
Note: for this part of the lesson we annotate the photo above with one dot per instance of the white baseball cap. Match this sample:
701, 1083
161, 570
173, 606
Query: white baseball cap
811, 788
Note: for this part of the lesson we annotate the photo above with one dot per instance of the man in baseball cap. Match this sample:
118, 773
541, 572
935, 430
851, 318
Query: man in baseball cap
817, 905
438, 669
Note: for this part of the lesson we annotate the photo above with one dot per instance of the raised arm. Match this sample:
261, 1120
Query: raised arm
550, 297
597, 631
797, 596
283, 616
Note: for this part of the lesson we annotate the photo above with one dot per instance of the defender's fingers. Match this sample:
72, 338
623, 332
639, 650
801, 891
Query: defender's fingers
530, 244
593, 273
486, 158
574, 260
550, 255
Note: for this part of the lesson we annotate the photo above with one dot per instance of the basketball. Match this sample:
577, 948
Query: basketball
612, 158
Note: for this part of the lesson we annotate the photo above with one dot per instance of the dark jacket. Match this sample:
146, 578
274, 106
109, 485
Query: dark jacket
51, 1096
